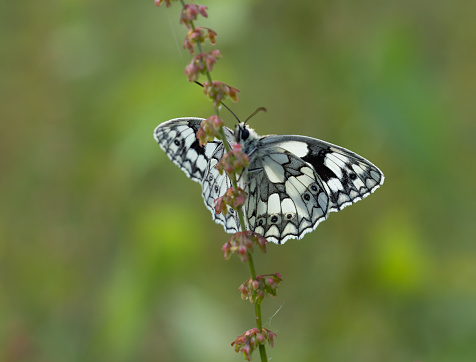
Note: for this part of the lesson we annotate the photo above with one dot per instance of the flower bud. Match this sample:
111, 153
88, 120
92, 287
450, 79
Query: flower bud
250, 340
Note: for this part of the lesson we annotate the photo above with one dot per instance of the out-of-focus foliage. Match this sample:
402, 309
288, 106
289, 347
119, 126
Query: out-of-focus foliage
107, 252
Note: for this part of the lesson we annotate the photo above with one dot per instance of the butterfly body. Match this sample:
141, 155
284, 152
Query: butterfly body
293, 182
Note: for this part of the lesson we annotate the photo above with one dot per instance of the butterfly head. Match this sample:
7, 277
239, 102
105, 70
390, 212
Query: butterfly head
243, 133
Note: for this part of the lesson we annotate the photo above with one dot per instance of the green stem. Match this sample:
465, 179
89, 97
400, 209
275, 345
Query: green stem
232, 176
259, 322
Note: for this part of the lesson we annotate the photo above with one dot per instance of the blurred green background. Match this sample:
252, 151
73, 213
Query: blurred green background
107, 252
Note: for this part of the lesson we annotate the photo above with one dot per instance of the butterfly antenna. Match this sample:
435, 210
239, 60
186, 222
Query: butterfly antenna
223, 104
257, 110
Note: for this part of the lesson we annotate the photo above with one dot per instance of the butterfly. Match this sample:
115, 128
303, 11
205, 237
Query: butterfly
292, 182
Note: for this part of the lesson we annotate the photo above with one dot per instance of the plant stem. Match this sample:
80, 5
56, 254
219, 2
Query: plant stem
259, 323
232, 176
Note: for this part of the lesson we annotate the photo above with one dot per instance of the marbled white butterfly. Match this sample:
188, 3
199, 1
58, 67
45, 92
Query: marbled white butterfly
293, 182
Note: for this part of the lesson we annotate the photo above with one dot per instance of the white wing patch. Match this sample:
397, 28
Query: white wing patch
273, 168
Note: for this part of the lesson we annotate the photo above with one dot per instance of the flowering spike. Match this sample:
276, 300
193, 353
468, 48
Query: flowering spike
255, 289
233, 162
218, 91
190, 13
209, 129
198, 36
234, 198
247, 342
243, 241
201, 63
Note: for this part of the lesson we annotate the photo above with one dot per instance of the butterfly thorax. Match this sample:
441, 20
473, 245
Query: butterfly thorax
248, 138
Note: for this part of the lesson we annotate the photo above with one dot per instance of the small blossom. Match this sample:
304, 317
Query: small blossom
211, 58
212, 36
233, 161
201, 63
218, 91
247, 342
221, 206
233, 94
244, 291
198, 36
233, 198
209, 129
190, 12
192, 38
241, 243
255, 289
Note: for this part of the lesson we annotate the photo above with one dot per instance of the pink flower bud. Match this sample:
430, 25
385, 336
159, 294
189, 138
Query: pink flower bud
212, 36
220, 206
242, 250
202, 9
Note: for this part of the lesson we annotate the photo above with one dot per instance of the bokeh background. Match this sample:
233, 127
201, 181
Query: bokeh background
107, 252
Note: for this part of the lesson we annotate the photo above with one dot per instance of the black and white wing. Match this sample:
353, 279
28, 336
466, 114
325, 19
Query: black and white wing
286, 198
347, 176
177, 138
295, 181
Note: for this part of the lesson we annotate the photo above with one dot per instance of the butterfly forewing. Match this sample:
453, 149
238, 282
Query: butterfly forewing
177, 138
346, 176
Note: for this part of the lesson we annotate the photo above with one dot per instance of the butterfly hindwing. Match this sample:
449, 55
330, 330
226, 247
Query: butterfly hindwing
177, 138
286, 199
214, 185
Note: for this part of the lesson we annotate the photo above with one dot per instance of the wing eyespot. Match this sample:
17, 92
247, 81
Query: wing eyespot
307, 197
177, 143
274, 219
353, 176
